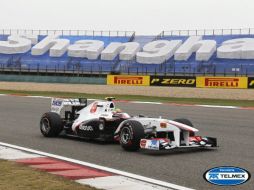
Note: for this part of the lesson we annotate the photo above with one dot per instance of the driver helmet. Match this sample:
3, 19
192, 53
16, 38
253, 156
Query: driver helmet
117, 110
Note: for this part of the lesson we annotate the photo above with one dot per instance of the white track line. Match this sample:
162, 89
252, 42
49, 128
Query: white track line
45, 97
120, 182
140, 102
216, 106
7, 153
119, 172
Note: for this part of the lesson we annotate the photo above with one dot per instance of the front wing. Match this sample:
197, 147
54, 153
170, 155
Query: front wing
165, 144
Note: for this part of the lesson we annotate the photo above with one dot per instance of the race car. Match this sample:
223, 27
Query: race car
101, 120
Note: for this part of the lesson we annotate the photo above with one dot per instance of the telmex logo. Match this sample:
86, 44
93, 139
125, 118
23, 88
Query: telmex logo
227, 176
128, 80
222, 82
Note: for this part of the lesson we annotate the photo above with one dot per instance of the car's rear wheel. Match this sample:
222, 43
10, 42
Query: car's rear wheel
130, 135
51, 124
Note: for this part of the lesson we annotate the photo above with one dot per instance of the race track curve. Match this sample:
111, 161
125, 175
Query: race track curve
19, 118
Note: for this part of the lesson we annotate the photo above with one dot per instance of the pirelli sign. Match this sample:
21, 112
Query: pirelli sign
251, 82
222, 82
131, 80
180, 81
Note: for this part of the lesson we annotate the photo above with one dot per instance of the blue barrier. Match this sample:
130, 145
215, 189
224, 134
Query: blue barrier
213, 66
45, 62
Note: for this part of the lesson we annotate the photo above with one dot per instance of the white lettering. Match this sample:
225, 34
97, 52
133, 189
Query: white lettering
15, 44
86, 128
90, 49
158, 51
204, 49
32, 37
155, 52
56, 47
241, 48
126, 51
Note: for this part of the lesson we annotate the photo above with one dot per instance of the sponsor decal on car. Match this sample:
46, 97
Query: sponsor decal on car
86, 128
173, 81
143, 143
56, 105
222, 82
56, 102
94, 107
153, 144
128, 80
227, 176
163, 125
251, 82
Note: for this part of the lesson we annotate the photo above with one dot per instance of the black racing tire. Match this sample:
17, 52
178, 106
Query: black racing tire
51, 124
184, 121
130, 135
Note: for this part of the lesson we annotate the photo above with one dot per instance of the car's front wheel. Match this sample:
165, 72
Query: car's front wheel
130, 135
186, 122
51, 124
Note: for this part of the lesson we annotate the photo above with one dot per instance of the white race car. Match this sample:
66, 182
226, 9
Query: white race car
101, 120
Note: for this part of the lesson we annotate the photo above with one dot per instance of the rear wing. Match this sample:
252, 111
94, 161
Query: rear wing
57, 104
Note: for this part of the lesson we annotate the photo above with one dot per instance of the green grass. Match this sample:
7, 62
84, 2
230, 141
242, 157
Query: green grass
244, 103
17, 177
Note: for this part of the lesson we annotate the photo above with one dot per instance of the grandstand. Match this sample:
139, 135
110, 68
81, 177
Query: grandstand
45, 64
64, 63
214, 66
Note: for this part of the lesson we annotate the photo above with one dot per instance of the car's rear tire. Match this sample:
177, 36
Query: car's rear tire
51, 124
130, 135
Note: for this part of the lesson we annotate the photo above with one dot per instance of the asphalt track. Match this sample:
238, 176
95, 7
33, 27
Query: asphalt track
234, 128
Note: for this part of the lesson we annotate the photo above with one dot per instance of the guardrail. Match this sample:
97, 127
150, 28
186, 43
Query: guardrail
90, 70
69, 32
206, 32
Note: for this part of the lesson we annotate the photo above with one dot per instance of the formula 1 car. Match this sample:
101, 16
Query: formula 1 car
101, 120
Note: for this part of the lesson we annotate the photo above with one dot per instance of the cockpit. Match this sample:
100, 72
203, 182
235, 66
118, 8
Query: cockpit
105, 106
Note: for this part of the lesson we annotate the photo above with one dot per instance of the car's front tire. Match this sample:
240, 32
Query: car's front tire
130, 135
51, 124
184, 121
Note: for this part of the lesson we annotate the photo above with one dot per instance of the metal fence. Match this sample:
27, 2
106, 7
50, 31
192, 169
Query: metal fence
187, 71
57, 69
206, 32
143, 70
69, 32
